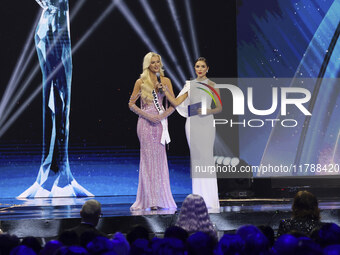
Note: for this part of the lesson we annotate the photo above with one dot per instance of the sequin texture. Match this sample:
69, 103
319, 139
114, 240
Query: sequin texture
154, 184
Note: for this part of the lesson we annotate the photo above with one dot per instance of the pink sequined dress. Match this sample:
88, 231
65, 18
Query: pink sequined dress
154, 184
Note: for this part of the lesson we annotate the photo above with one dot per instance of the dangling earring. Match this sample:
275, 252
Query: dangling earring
207, 71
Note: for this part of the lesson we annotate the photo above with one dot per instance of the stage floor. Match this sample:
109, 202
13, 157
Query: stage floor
104, 171
112, 175
46, 218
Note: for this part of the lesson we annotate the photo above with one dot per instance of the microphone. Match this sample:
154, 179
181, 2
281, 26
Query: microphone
159, 81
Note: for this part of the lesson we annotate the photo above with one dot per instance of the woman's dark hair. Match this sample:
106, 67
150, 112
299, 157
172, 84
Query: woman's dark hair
305, 205
194, 216
202, 59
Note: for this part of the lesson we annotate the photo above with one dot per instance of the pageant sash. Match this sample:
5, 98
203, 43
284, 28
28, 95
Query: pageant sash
165, 133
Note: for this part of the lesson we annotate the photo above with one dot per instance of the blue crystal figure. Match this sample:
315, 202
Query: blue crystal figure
53, 44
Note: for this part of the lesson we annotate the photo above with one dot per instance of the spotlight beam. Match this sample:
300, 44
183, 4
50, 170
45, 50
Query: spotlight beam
335, 148
19, 67
23, 107
143, 36
150, 14
180, 34
192, 28
4, 113
18, 95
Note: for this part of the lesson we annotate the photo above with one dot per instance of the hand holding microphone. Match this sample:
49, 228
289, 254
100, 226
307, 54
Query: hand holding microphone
160, 87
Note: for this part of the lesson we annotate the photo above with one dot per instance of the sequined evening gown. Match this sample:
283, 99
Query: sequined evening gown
154, 184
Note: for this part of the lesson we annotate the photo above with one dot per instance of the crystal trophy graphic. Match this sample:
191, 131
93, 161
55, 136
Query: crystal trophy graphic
53, 45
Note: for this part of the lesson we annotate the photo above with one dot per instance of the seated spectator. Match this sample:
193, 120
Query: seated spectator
90, 214
100, 245
140, 247
332, 250
255, 241
138, 232
69, 238
51, 247
269, 233
201, 243
168, 246
22, 250
72, 250
176, 232
328, 234
32, 243
285, 244
230, 244
308, 246
7, 243
87, 237
306, 215
120, 244
194, 216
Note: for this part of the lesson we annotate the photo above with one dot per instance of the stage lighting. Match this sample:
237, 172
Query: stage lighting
226, 161
234, 161
18, 70
181, 37
146, 39
150, 14
5, 108
192, 29
23, 107
219, 160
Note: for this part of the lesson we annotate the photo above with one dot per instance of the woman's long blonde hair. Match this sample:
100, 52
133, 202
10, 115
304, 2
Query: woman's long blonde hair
147, 85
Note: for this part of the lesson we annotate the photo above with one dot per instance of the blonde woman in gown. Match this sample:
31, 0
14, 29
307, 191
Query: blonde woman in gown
154, 185
200, 132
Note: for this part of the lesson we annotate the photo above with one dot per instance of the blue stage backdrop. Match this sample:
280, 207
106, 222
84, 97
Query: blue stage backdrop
299, 41
295, 40
108, 42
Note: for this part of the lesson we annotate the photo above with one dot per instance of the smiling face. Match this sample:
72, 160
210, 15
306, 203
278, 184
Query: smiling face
201, 69
155, 64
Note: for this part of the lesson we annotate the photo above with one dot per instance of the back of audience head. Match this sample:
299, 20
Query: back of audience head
7, 243
99, 245
255, 241
194, 216
91, 211
328, 234
72, 250
51, 247
168, 246
32, 243
137, 232
308, 246
140, 247
200, 243
285, 244
230, 244
176, 232
120, 244
268, 232
22, 250
305, 205
332, 250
